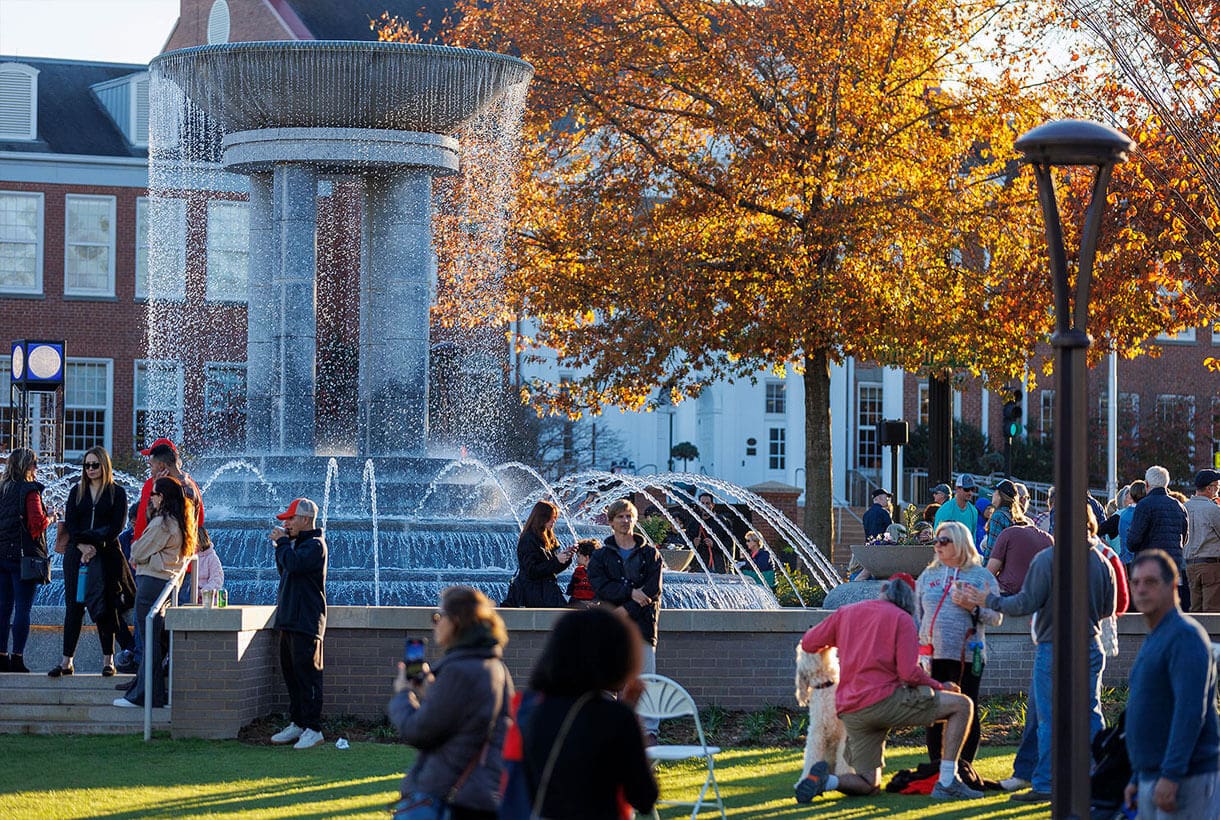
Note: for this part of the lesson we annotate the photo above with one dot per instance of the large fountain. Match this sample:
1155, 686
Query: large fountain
335, 147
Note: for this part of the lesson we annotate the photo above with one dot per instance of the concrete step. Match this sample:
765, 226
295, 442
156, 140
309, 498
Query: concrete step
17, 727
78, 704
76, 689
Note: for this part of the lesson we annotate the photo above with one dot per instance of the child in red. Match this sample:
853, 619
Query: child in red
580, 591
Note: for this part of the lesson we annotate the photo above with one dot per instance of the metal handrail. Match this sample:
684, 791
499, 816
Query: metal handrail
167, 598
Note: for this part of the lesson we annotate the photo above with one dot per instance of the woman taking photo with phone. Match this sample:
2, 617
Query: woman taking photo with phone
456, 715
23, 524
952, 638
539, 559
167, 542
95, 515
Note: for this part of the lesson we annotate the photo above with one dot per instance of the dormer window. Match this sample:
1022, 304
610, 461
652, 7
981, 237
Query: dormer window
126, 101
18, 102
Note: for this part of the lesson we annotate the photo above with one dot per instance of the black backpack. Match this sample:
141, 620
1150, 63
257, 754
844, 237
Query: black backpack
1111, 769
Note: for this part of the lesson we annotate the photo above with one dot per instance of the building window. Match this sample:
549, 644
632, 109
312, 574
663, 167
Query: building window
1046, 414
157, 409
1187, 336
162, 270
922, 416
87, 402
1215, 429
776, 448
89, 245
20, 242
1176, 415
7, 415
225, 403
777, 398
18, 102
868, 417
228, 250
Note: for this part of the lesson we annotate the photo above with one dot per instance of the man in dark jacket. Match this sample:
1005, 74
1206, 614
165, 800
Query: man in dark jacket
709, 535
1160, 523
300, 617
877, 517
626, 572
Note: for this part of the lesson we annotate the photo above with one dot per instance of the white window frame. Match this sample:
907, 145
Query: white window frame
212, 294
1164, 401
923, 416
777, 448
144, 273
31, 78
1183, 337
139, 367
861, 428
108, 289
108, 425
36, 290
781, 388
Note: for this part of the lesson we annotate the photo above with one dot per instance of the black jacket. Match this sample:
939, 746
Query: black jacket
613, 582
300, 605
99, 524
15, 538
537, 568
450, 725
603, 751
713, 556
1159, 522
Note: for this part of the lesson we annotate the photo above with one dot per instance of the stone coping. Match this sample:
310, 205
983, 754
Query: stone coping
249, 618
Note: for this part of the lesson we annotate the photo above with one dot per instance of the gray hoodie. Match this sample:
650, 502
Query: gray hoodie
1035, 595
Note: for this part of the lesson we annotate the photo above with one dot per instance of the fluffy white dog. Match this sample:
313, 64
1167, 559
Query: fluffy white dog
817, 678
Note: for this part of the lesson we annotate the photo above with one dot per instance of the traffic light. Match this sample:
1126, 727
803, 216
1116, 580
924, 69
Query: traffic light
1013, 413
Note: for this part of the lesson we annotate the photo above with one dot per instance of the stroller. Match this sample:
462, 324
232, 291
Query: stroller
1110, 773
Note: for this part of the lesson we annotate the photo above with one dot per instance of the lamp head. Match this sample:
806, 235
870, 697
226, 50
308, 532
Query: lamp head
1075, 142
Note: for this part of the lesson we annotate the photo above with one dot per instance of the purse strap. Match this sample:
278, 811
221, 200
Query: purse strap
491, 730
556, 747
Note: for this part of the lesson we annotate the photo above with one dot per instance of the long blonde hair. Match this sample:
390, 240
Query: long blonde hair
103, 458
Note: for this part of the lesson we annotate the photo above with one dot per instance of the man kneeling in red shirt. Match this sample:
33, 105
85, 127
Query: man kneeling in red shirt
881, 687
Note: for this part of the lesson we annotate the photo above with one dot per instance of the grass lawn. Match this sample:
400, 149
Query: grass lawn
123, 777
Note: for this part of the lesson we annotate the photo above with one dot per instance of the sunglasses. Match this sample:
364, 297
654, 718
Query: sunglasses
943, 539
92, 465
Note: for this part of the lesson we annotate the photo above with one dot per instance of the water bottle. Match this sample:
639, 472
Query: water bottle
82, 582
976, 662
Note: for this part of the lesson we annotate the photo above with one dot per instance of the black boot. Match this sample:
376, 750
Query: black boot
16, 663
4, 662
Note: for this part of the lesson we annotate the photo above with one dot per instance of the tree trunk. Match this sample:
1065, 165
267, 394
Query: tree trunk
819, 477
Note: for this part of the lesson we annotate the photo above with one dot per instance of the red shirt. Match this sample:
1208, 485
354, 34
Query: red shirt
191, 490
878, 652
35, 516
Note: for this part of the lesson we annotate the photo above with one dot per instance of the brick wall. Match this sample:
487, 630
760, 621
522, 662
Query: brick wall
226, 671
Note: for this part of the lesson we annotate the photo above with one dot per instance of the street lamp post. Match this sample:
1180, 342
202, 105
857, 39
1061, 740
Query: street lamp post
1071, 143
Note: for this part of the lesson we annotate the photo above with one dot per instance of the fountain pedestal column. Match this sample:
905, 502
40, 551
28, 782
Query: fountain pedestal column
262, 365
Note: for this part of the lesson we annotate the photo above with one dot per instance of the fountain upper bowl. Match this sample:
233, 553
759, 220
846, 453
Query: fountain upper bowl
340, 84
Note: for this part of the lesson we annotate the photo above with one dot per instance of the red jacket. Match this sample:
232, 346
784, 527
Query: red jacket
878, 652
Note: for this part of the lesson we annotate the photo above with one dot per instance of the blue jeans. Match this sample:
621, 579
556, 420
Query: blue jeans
16, 600
1040, 691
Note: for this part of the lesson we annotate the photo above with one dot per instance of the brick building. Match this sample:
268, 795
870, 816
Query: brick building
74, 226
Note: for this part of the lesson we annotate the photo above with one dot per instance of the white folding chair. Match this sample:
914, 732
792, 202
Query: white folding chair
665, 699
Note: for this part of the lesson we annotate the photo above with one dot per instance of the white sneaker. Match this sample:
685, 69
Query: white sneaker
288, 734
1014, 784
309, 739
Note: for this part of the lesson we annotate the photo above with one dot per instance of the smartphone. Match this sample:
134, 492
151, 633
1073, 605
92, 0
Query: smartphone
413, 654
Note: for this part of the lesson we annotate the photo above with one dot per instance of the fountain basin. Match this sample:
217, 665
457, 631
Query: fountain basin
677, 560
340, 84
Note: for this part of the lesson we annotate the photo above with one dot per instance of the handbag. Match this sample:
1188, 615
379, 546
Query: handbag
512, 600
61, 537
35, 568
420, 806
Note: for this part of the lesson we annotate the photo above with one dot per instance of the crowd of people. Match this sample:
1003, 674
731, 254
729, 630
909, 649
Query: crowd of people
1151, 548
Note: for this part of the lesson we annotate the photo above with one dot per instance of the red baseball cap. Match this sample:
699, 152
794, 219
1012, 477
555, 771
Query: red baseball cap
158, 443
299, 506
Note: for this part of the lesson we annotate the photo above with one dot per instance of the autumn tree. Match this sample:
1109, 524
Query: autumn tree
712, 188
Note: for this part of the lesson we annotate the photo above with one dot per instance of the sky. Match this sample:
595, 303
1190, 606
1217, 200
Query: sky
119, 31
